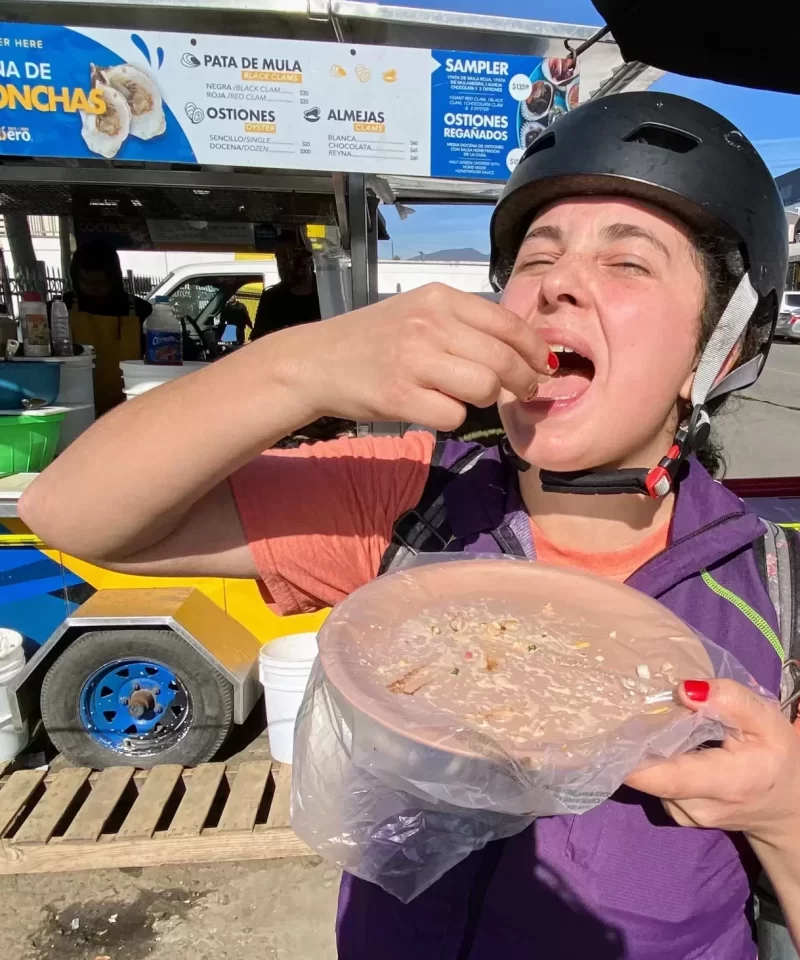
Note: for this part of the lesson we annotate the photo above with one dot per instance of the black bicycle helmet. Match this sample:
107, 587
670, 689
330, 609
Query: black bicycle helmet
690, 161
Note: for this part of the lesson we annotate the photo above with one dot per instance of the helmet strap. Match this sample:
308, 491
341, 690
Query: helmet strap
694, 432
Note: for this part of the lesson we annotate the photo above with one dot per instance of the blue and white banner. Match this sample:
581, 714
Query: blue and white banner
169, 97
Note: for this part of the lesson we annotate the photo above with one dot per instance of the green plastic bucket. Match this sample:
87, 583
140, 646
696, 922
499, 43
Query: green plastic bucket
28, 443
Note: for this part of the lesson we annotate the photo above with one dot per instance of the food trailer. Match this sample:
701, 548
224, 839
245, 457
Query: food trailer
268, 116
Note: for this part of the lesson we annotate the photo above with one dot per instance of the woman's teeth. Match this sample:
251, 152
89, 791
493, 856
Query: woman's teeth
572, 379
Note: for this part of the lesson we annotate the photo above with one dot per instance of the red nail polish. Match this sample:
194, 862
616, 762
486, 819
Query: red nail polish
697, 690
552, 362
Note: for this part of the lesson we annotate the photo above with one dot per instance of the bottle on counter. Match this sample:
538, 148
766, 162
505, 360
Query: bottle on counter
60, 333
8, 329
34, 326
163, 335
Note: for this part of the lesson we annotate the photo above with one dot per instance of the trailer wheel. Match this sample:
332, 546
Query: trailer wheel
136, 698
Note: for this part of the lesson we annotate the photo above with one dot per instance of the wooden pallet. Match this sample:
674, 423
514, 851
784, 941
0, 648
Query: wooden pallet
79, 820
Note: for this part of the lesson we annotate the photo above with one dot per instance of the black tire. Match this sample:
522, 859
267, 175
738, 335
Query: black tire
209, 693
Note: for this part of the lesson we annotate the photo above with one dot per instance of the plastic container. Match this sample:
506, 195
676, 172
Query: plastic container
284, 667
28, 381
34, 326
12, 660
139, 377
28, 443
60, 333
76, 421
76, 392
77, 379
163, 335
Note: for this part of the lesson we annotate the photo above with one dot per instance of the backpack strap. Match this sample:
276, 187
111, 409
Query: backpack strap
425, 528
779, 559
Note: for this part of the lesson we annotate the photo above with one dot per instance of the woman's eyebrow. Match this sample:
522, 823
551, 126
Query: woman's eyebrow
629, 231
545, 231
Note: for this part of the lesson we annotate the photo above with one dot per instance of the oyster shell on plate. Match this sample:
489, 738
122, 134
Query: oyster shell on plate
104, 133
528, 132
143, 97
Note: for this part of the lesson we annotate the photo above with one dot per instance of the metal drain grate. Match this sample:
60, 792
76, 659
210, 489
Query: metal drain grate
79, 820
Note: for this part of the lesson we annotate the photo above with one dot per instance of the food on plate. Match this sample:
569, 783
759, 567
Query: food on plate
538, 101
560, 70
524, 681
489, 658
573, 95
337, 71
529, 131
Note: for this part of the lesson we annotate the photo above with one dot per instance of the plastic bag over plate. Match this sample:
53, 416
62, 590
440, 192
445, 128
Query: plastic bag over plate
457, 700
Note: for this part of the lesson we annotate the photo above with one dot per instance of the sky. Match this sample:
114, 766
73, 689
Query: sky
770, 120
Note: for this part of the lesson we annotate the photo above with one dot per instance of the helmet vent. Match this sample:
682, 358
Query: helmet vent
543, 142
667, 138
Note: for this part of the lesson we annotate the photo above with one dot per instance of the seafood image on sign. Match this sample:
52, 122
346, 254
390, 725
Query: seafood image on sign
555, 89
132, 107
143, 99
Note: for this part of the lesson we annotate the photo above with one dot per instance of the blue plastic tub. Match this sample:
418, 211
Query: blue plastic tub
28, 381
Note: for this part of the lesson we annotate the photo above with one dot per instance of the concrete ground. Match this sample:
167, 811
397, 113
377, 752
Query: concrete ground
284, 910
275, 910
761, 430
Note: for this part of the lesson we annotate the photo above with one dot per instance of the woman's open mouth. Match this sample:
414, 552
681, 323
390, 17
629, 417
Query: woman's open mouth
572, 379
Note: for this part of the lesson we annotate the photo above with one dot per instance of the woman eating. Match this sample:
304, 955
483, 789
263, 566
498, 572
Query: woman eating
641, 247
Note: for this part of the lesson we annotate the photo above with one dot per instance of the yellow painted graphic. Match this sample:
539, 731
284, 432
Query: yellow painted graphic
48, 99
240, 599
271, 76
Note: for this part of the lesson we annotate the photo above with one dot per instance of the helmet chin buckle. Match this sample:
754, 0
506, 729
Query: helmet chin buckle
660, 480
655, 483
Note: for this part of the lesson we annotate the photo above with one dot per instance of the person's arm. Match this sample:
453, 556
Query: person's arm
145, 486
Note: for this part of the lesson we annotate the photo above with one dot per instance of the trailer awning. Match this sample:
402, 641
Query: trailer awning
710, 39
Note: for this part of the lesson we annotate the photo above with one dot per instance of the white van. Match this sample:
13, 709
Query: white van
199, 291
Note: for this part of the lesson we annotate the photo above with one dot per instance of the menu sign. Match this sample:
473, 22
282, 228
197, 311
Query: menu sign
169, 97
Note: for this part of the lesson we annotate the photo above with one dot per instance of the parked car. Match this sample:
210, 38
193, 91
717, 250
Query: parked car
788, 326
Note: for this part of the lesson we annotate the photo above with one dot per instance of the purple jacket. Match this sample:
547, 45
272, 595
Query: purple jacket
623, 881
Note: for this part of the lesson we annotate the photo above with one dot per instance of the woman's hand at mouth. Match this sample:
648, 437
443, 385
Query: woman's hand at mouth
418, 357
749, 784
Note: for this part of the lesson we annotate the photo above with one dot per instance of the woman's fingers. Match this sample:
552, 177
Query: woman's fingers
507, 327
703, 774
726, 772
434, 409
473, 366
745, 784
740, 708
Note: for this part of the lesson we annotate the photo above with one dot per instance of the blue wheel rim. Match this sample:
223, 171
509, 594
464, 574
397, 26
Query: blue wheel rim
135, 707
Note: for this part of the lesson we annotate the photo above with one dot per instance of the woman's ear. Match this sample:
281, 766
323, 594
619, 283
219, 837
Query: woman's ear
733, 358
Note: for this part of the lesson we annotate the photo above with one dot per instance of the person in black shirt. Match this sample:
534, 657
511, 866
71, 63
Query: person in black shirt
235, 313
294, 300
